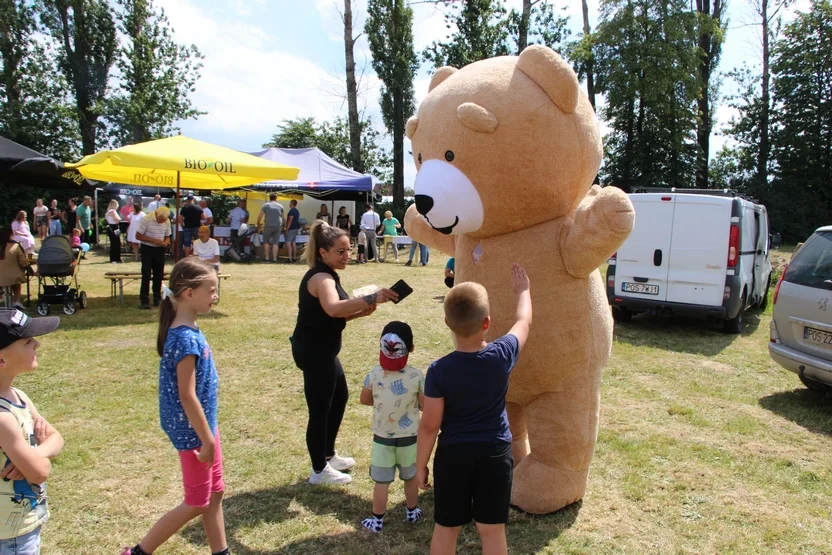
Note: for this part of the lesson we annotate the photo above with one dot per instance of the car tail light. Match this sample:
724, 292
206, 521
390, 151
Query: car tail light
726, 294
613, 258
779, 281
611, 280
734, 246
773, 336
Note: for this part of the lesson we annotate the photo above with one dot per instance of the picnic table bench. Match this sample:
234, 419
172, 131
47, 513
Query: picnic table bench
118, 279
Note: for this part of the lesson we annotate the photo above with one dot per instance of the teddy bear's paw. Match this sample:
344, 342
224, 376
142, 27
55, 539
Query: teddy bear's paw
613, 209
541, 489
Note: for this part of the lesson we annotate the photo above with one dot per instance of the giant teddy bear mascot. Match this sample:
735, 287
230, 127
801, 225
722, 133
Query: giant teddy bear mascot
507, 149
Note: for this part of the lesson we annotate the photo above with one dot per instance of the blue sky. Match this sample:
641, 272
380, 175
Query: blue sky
270, 60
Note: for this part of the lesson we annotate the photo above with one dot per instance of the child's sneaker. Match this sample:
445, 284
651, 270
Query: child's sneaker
413, 516
374, 524
329, 476
341, 463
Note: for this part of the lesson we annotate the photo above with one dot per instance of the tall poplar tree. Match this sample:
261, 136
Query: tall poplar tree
389, 30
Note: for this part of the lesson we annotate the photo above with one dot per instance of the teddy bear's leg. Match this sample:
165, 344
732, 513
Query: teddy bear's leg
519, 435
562, 431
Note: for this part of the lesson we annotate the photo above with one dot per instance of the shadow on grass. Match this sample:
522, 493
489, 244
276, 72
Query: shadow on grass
807, 408
681, 335
104, 312
246, 511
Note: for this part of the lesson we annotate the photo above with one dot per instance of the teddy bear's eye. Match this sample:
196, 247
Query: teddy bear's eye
420, 157
449, 156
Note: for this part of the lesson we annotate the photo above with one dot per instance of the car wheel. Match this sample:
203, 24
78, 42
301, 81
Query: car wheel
764, 301
813, 385
734, 325
621, 314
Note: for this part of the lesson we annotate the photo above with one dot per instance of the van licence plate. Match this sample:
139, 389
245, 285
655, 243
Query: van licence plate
642, 288
817, 336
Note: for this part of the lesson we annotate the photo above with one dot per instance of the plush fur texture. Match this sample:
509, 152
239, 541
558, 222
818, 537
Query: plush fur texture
513, 143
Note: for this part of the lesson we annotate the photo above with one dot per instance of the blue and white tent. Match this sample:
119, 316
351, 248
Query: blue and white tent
320, 176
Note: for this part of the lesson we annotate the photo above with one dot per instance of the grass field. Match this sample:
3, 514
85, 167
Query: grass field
706, 445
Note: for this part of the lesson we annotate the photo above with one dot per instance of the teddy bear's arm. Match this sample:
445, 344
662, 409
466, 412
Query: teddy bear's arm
602, 221
421, 232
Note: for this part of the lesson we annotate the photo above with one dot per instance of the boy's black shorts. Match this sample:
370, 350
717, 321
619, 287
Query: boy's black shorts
360, 249
472, 481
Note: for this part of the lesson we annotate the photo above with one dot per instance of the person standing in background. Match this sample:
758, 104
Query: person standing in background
85, 220
126, 210
155, 203
292, 228
273, 213
370, 222
237, 217
41, 214
55, 218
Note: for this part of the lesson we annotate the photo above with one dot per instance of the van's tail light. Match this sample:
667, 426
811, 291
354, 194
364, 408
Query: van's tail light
613, 258
734, 246
779, 281
611, 280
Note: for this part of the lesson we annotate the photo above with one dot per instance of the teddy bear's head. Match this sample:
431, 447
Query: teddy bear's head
503, 144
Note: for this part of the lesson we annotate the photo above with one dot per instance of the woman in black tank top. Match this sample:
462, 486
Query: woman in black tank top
324, 309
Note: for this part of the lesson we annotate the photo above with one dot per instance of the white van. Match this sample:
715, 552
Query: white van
693, 252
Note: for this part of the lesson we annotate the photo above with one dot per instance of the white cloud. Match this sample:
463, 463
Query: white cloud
247, 85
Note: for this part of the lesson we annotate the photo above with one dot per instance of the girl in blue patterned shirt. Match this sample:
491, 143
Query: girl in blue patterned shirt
188, 406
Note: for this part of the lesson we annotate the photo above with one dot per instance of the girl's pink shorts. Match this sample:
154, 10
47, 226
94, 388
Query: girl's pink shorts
201, 479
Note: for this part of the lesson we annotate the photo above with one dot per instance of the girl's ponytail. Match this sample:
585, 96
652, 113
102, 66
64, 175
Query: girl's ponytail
321, 236
166, 316
188, 273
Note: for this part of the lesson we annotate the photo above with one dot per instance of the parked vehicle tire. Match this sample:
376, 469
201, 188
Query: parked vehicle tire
813, 385
734, 325
764, 301
43, 308
621, 314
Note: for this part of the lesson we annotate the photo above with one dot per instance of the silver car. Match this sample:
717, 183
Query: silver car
801, 327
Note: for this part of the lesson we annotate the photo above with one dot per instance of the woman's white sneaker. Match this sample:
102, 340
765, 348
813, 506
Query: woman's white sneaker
341, 463
329, 476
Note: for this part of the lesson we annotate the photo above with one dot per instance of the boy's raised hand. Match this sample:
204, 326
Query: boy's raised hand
519, 279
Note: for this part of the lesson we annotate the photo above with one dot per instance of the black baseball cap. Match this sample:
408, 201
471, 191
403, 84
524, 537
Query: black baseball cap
15, 325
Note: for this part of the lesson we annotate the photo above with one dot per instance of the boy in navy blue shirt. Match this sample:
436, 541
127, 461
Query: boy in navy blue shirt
465, 398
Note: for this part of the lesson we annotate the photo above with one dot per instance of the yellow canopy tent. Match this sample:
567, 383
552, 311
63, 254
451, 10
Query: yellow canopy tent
181, 162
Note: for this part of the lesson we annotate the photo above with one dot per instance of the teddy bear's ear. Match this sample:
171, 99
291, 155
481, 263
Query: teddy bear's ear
475, 117
543, 66
441, 74
410, 128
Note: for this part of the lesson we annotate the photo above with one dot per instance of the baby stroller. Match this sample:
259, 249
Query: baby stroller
237, 251
58, 265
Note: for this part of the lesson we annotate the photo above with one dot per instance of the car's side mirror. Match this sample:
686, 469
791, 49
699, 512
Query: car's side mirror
774, 240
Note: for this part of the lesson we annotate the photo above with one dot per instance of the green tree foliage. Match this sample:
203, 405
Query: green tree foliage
802, 122
545, 25
157, 76
35, 110
480, 32
86, 33
646, 63
389, 30
797, 189
334, 140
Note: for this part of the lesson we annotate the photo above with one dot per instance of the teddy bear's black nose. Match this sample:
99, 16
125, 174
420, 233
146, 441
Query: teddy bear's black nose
424, 203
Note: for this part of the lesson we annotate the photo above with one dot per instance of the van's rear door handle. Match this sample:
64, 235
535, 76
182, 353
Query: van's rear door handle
657, 257
640, 280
